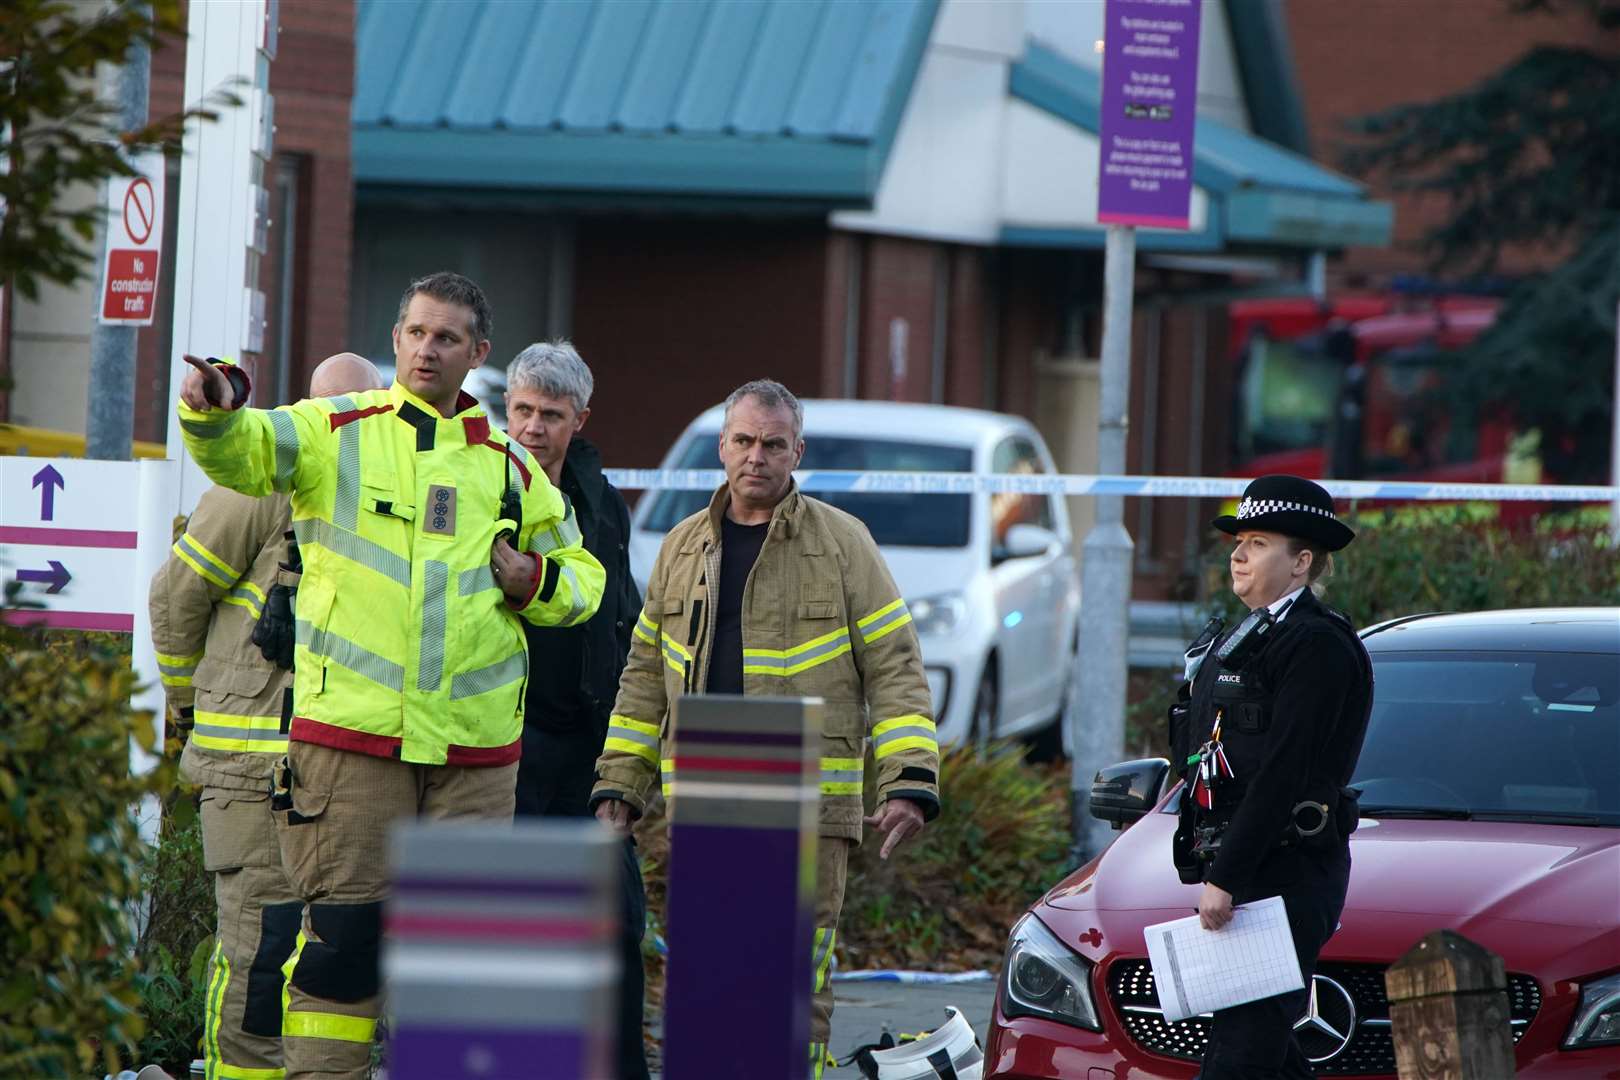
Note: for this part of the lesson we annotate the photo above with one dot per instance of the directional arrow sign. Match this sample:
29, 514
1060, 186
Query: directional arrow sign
51, 480
56, 577
70, 541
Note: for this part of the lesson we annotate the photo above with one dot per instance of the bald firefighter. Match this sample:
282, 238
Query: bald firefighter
221, 627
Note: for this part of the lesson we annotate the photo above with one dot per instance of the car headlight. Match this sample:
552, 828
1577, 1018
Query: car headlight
1597, 1021
938, 615
1043, 977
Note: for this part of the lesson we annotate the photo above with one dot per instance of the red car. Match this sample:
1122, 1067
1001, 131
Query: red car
1490, 803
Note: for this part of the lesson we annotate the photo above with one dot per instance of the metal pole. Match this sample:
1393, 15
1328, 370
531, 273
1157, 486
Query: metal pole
1105, 580
110, 416
1614, 437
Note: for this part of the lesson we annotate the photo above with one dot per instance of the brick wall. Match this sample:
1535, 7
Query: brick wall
1363, 57
311, 79
672, 315
900, 282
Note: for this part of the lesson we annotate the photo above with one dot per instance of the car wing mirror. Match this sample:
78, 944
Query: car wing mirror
1027, 541
1124, 793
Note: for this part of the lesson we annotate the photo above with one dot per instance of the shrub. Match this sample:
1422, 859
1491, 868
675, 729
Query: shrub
70, 854
176, 940
1444, 558
945, 900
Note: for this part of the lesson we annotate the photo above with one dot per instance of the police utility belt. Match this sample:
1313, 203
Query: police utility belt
1321, 821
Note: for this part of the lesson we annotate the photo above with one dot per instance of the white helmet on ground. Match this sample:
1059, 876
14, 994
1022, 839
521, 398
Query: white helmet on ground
949, 1052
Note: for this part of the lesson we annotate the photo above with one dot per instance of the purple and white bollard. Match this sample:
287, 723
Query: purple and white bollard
743, 800
500, 953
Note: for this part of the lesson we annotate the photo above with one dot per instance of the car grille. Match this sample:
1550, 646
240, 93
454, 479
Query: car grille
1370, 1050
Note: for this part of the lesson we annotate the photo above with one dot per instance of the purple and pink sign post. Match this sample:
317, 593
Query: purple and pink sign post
1149, 110
501, 954
743, 794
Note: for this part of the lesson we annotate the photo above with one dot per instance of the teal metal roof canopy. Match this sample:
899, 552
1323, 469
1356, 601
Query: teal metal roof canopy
747, 99
1260, 194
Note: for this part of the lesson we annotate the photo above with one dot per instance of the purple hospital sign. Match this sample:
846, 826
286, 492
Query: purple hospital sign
1149, 105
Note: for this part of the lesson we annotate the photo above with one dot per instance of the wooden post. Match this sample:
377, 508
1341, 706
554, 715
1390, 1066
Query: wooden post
1448, 1008
744, 791
501, 953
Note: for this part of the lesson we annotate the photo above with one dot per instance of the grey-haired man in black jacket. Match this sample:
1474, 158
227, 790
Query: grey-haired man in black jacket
574, 672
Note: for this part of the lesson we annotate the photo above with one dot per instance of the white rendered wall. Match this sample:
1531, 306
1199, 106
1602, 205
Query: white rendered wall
1049, 175
967, 160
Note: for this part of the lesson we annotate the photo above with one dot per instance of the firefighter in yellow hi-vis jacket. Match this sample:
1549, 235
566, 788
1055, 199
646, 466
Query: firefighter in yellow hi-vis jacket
766, 592
425, 535
207, 604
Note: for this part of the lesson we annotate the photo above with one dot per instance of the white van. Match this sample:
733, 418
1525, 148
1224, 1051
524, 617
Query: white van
990, 579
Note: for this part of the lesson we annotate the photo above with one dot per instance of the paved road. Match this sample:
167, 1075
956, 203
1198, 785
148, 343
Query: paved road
865, 1007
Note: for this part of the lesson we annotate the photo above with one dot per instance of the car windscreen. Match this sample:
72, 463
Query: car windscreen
1514, 736
894, 519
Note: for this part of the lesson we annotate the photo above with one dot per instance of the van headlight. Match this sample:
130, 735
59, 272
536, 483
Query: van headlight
1597, 1021
1043, 977
938, 615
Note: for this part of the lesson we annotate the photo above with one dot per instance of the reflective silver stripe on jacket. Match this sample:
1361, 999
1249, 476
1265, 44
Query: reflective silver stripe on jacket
483, 680
346, 501
286, 432
476, 580
435, 584
353, 547
356, 658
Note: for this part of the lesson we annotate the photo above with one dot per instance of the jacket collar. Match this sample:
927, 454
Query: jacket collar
466, 404
426, 419
789, 512
583, 462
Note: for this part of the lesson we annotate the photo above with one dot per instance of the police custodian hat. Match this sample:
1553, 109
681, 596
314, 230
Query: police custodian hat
1290, 505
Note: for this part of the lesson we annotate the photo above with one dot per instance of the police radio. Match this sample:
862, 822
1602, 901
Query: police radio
511, 516
1245, 643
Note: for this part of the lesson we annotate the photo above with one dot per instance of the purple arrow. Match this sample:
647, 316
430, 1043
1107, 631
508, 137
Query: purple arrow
56, 577
52, 480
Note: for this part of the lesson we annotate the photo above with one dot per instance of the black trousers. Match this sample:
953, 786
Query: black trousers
554, 780
1256, 1041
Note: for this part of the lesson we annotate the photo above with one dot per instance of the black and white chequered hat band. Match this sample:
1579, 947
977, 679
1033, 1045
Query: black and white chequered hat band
1250, 508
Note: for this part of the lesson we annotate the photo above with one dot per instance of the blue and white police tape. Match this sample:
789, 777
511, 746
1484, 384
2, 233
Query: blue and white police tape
915, 978
661, 947
1203, 487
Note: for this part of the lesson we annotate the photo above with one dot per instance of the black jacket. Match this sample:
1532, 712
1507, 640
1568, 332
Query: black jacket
1320, 684
604, 521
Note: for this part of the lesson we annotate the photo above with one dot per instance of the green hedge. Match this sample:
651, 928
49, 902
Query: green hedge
1408, 561
946, 899
70, 854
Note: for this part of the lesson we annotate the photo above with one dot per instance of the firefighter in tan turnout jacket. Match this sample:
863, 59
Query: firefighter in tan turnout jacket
770, 592
205, 603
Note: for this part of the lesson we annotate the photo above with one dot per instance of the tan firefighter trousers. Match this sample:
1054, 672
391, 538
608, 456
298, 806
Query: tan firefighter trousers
334, 842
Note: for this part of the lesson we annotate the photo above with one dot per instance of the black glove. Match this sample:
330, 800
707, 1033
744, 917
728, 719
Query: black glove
275, 633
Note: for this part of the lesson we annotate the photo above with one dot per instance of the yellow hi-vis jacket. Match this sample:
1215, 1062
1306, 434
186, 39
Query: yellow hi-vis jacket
821, 617
205, 601
407, 647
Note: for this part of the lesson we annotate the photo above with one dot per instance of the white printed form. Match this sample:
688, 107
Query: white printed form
1199, 971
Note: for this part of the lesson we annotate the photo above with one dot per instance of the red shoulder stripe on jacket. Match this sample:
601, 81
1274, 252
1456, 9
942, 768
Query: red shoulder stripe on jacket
341, 418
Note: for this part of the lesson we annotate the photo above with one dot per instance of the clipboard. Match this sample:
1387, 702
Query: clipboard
1198, 971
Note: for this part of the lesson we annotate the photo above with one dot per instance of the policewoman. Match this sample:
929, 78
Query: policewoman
1268, 733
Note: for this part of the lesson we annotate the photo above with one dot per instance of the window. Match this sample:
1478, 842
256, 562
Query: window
1286, 395
1018, 455
894, 519
1511, 735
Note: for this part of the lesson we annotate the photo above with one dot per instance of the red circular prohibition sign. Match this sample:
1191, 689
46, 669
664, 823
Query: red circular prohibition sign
139, 203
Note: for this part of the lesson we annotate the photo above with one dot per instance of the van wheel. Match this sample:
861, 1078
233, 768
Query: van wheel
985, 704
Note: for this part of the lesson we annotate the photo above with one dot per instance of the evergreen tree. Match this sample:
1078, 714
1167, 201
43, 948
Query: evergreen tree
1529, 157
